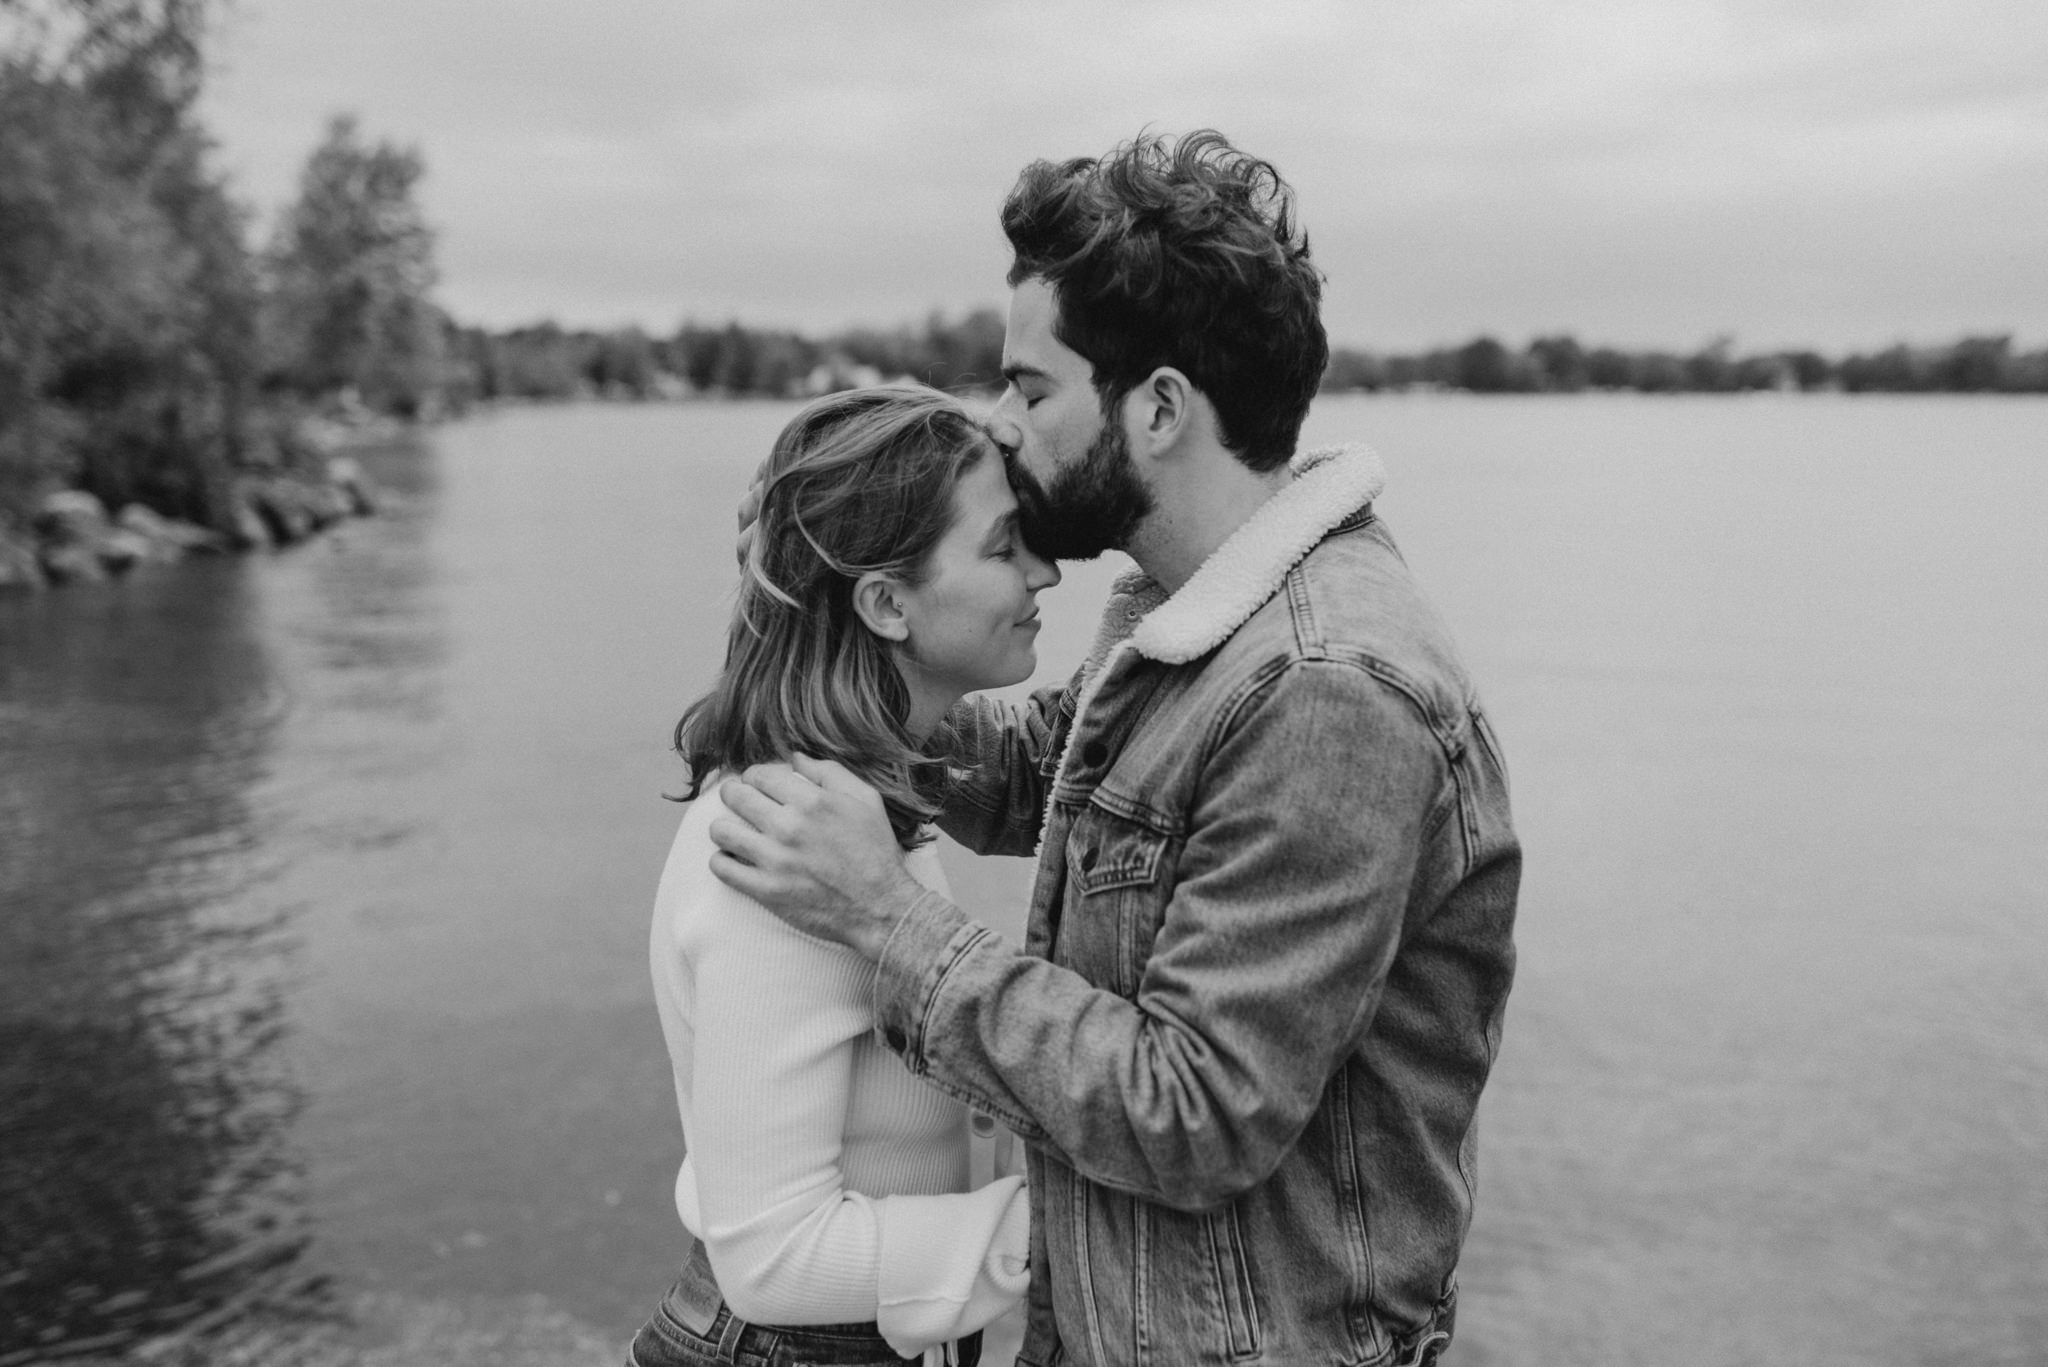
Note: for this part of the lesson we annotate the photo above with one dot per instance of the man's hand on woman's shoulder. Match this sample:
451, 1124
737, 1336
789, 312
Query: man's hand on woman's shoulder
811, 842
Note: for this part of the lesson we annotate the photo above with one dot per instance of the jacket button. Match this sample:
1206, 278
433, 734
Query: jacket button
1087, 861
894, 1038
1094, 754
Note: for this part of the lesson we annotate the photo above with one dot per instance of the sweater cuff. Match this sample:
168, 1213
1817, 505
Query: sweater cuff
927, 941
948, 1265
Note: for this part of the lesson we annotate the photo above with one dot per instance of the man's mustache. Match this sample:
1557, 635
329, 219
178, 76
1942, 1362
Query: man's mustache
1035, 522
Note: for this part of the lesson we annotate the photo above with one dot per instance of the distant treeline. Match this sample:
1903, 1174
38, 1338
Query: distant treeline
1559, 364
545, 361
548, 362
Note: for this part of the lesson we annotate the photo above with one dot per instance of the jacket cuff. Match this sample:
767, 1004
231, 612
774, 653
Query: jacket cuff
927, 941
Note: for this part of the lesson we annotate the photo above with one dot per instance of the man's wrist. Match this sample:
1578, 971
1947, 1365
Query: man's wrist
927, 940
888, 912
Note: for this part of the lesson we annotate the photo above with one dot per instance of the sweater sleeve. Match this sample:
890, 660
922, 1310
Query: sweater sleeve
777, 1016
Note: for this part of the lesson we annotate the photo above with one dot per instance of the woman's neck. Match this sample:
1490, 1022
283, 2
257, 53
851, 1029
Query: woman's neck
928, 707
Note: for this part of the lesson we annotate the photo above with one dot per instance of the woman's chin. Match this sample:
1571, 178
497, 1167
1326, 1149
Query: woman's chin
1016, 674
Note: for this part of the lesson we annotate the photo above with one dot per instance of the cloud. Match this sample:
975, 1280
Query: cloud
1797, 169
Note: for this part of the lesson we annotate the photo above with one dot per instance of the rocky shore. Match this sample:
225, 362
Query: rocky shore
72, 538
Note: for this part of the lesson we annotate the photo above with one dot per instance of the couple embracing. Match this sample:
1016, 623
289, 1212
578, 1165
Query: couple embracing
1269, 944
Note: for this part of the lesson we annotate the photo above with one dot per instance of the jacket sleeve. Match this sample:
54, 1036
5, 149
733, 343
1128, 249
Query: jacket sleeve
776, 1017
1007, 753
1269, 962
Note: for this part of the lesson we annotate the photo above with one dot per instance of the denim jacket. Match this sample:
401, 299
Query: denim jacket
1268, 955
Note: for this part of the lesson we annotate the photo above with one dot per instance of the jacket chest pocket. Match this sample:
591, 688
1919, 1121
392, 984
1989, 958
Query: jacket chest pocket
1119, 877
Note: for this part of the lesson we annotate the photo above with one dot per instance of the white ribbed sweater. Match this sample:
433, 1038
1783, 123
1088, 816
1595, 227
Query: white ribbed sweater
827, 1184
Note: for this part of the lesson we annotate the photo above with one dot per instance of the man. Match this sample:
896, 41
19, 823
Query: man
1269, 945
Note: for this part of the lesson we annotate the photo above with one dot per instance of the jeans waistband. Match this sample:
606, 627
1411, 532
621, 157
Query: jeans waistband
697, 1292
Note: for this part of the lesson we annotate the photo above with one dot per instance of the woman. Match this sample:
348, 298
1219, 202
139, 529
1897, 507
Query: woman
825, 1186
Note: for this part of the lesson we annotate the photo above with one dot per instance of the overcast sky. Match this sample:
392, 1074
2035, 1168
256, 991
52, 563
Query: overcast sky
1646, 172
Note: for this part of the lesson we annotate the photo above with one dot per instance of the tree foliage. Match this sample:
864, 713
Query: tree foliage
146, 353
127, 346
546, 361
351, 274
1559, 364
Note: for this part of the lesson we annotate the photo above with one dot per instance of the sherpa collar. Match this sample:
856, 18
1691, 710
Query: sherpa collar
1330, 484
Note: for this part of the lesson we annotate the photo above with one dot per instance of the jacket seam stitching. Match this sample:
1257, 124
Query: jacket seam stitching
1275, 667
1450, 735
1307, 633
929, 1003
1022, 1125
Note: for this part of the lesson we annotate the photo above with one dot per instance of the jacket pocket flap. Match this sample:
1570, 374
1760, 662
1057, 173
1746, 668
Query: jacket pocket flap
1124, 859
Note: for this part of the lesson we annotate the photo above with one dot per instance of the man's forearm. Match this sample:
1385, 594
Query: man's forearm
998, 806
1134, 1097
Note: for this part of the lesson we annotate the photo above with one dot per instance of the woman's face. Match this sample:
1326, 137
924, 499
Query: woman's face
973, 622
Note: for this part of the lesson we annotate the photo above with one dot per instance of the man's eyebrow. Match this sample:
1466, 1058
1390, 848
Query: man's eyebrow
1014, 371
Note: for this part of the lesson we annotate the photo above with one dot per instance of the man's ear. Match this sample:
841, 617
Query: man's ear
1162, 409
878, 604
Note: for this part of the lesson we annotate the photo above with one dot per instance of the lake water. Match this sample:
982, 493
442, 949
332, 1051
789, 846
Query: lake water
325, 880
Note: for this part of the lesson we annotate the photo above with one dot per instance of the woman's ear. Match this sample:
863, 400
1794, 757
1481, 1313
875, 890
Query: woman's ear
878, 604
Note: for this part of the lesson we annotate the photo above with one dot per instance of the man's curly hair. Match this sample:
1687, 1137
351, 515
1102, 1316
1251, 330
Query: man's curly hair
1186, 254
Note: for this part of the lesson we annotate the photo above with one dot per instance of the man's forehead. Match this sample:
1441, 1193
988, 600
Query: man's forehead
1029, 344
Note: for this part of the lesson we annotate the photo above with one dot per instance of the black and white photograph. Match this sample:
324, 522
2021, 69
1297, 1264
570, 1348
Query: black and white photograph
1035, 684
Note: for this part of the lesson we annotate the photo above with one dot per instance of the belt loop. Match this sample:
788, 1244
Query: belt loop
983, 1160
1428, 1348
723, 1323
729, 1336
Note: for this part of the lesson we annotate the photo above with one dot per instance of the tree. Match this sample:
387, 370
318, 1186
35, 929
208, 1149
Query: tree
1712, 367
351, 272
1351, 369
126, 342
1977, 364
1560, 363
1484, 366
622, 364
966, 354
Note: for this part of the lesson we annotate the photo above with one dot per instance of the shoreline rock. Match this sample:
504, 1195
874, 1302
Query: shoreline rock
71, 539
20, 566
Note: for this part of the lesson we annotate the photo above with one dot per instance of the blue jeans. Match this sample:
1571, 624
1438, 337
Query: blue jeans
694, 1328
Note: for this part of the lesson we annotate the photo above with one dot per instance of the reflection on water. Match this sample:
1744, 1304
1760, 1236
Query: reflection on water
319, 987
146, 1176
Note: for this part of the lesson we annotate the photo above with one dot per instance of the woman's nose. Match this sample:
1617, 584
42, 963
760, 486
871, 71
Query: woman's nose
1039, 573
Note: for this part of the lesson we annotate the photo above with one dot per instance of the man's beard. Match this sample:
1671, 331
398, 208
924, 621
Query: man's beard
1086, 508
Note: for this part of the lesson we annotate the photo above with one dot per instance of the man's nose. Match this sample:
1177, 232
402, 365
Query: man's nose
1003, 429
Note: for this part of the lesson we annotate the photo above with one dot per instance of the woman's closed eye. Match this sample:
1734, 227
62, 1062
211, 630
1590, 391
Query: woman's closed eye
1004, 541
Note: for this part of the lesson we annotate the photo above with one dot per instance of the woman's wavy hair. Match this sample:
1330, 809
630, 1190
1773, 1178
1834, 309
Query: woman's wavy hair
1182, 254
859, 481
